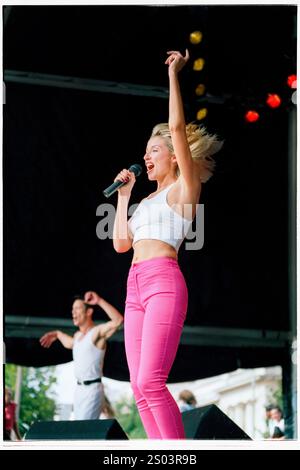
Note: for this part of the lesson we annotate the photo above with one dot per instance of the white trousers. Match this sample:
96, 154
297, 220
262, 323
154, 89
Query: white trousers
88, 401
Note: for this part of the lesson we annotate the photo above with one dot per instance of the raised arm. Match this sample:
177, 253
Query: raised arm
177, 123
48, 338
116, 319
122, 240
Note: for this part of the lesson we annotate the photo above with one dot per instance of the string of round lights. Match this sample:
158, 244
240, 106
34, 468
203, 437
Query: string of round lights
252, 113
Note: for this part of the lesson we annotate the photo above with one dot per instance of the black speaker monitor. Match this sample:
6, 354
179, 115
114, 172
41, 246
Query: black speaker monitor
108, 429
209, 422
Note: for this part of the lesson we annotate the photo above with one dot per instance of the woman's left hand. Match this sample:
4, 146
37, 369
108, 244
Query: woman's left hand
176, 61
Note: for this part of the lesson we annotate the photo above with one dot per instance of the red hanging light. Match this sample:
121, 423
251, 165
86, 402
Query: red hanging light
292, 81
251, 116
273, 100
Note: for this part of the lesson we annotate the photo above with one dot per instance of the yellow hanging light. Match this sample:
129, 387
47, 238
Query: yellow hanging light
200, 89
202, 113
198, 64
196, 37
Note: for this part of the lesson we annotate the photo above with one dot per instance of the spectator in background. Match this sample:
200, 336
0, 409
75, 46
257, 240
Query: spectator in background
276, 423
268, 409
187, 401
10, 417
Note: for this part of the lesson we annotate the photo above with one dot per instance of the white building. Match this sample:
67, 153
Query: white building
242, 395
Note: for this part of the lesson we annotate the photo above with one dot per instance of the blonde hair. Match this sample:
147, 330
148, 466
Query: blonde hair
202, 145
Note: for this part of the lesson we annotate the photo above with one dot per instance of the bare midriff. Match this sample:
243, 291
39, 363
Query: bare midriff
147, 249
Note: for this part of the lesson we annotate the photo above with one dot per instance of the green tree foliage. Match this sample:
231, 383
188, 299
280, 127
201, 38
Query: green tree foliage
277, 397
10, 376
129, 418
37, 401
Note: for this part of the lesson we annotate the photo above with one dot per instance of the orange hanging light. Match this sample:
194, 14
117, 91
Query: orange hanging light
200, 89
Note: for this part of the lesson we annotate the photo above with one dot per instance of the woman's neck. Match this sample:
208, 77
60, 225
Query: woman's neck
164, 183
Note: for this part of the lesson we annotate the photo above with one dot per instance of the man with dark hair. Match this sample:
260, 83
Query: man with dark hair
89, 347
277, 423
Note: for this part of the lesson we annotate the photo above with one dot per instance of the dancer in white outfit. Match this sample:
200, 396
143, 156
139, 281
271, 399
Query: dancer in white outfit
89, 346
88, 362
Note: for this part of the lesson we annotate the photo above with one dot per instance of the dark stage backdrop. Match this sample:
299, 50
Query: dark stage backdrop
62, 147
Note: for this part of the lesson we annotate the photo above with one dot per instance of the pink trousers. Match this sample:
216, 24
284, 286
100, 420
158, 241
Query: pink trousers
156, 306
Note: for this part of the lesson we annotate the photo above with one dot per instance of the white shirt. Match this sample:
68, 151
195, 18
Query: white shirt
88, 359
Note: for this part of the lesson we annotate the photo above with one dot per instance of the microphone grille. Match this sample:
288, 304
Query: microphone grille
136, 169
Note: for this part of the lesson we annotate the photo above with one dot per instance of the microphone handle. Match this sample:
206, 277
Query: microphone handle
113, 188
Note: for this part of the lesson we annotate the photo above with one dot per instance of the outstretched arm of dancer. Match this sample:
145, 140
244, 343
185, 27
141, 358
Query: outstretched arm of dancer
176, 61
122, 239
107, 329
48, 338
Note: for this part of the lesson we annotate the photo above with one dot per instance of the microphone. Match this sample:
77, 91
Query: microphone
136, 169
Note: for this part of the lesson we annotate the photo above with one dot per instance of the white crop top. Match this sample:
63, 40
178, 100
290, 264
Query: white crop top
154, 219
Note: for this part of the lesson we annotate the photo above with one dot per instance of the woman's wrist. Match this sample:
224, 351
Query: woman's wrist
124, 197
173, 73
